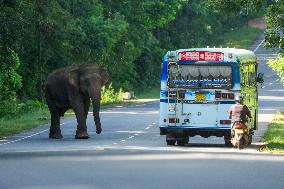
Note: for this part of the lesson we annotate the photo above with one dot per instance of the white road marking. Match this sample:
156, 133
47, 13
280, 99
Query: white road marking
123, 140
130, 137
147, 128
279, 98
132, 132
29, 136
24, 137
258, 45
134, 113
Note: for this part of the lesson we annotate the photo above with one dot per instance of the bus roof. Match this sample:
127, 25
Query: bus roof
229, 54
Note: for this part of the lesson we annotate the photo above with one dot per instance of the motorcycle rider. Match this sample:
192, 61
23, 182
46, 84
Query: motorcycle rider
239, 111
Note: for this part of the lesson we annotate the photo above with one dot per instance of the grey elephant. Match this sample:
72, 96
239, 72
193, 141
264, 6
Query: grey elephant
73, 87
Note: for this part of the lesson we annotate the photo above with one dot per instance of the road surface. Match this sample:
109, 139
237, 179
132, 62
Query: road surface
131, 154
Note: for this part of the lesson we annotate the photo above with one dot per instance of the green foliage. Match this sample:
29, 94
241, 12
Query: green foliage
149, 93
274, 37
275, 21
236, 6
278, 66
109, 95
31, 106
10, 82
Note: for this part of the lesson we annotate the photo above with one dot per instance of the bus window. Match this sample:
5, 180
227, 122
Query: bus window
200, 76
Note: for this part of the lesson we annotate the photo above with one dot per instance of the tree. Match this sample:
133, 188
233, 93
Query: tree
274, 37
10, 81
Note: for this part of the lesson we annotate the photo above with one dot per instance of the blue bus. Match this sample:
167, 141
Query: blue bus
199, 85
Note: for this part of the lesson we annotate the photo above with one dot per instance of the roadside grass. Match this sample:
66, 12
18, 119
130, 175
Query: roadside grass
23, 121
240, 38
274, 135
150, 93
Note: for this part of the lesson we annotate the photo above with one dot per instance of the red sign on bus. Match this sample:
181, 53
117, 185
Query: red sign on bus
201, 56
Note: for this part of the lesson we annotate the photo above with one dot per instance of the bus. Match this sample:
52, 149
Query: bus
199, 85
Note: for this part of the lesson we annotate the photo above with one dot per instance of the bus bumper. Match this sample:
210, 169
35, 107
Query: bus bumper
188, 131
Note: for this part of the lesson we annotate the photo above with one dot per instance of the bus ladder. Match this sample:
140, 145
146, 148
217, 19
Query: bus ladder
175, 93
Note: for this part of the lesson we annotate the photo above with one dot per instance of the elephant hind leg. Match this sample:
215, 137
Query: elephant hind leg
55, 131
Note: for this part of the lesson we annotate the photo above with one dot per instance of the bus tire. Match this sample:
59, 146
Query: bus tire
171, 142
183, 141
228, 143
227, 139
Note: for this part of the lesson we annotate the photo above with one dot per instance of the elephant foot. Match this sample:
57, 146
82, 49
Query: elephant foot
55, 135
81, 135
98, 130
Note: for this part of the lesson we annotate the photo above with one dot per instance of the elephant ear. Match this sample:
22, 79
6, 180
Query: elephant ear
73, 79
104, 75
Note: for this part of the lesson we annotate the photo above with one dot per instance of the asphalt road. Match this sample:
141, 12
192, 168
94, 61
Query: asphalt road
130, 153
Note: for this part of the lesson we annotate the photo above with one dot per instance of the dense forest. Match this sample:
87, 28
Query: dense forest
127, 36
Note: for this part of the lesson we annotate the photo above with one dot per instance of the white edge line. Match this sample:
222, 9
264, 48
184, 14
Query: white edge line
24, 137
13, 141
258, 45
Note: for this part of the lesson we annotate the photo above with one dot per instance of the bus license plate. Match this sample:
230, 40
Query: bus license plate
200, 97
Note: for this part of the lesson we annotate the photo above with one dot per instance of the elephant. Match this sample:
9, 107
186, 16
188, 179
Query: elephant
73, 87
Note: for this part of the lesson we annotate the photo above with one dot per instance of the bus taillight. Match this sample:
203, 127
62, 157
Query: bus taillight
217, 95
231, 96
224, 95
173, 120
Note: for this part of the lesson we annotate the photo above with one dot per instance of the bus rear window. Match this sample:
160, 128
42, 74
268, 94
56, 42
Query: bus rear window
200, 76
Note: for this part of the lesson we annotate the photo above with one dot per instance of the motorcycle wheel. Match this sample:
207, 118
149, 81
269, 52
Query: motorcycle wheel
250, 140
240, 143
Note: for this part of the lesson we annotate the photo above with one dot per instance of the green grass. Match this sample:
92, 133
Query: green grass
151, 93
274, 136
240, 38
19, 123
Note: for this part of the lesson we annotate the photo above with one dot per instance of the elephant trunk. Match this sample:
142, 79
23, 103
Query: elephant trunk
96, 98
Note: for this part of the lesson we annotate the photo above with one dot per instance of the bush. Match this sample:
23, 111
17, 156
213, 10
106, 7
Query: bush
10, 82
109, 95
31, 106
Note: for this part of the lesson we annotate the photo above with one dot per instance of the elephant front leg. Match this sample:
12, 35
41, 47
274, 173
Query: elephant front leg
96, 110
81, 132
55, 131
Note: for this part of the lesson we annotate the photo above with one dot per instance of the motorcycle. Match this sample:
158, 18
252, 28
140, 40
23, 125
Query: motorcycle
240, 136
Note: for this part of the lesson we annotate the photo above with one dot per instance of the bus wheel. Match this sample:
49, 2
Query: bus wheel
228, 143
171, 142
183, 141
